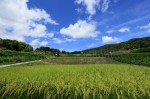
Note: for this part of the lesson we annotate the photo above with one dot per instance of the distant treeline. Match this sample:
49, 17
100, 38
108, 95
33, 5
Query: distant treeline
128, 45
47, 50
15, 45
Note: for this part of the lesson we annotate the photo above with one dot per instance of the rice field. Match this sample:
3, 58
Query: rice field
90, 81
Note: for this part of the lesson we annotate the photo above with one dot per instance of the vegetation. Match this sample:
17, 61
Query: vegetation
124, 46
142, 58
113, 81
88, 81
7, 56
48, 50
79, 60
126, 52
133, 58
134, 51
141, 50
12, 51
15, 45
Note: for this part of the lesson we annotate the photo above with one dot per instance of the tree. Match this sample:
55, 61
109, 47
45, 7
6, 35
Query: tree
15, 45
48, 50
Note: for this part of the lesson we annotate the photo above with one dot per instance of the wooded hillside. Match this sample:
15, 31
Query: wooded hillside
15, 45
128, 45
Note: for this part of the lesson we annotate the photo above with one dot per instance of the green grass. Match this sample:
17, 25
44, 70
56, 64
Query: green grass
133, 58
10, 57
101, 81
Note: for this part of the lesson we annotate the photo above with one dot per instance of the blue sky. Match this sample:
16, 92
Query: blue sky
74, 24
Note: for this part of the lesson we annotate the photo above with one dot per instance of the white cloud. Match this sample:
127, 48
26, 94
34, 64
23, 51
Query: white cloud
145, 27
93, 5
79, 10
37, 43
59, 41
69, 40
50, 35
81, 29
107, 39
105, 5
124, 29
110, 31
132, 21
22, 20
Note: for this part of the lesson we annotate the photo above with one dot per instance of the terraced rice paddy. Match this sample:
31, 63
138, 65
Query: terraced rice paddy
91, 81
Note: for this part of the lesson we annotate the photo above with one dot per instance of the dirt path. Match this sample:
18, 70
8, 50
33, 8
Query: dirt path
2, 66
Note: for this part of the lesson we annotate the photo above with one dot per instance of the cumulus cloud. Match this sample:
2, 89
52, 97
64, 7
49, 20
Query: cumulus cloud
17, 20
81, 29
37, 43
145, 27
124, 29
93, 5
107, 39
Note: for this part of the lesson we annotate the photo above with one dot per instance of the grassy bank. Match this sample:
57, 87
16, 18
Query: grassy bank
8, 57
133, 58
105, 81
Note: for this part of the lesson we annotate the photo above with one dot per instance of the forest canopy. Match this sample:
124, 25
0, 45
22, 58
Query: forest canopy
15, 45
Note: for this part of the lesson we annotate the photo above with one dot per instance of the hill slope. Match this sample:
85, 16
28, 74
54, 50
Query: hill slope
135, 51
128, 45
